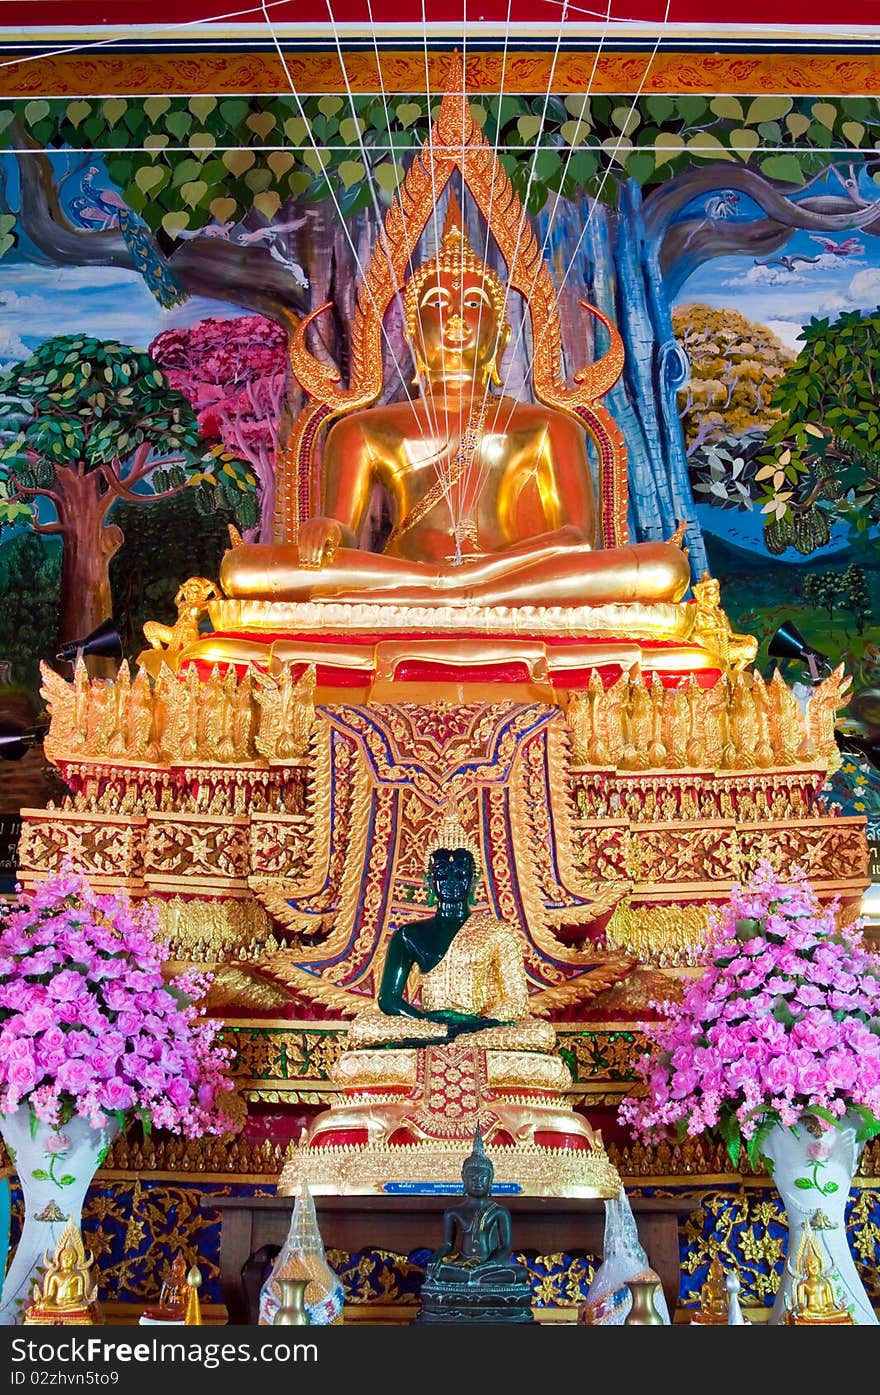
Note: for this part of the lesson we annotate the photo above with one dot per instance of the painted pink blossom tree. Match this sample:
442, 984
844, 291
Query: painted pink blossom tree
233, 373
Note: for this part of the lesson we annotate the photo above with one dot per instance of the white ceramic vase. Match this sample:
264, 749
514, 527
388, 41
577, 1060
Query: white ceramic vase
813, 1170
55, 1166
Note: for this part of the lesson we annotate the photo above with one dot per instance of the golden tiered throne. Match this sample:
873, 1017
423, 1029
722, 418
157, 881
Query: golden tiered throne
273, 785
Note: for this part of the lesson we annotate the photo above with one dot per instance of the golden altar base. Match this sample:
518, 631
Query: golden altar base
353, 1170
275, 833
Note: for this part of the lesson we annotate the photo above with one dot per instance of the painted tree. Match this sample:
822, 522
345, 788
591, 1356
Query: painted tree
233, 373
734, 365
628, 196
822, 457
85, 423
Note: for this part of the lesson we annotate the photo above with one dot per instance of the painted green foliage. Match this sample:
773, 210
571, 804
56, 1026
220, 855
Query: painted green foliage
207, 158
85, 424
93, 406
822, 459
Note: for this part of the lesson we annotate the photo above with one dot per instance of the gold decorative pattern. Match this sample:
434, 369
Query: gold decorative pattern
99, 847
740, 723
664, 935
222, 719
347, 1171
319, 70
215, 930
188, 846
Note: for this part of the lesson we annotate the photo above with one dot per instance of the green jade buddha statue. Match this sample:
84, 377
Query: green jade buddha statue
472, 1275
424, 944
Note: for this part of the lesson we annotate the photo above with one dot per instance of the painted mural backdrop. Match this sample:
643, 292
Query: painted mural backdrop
155, 252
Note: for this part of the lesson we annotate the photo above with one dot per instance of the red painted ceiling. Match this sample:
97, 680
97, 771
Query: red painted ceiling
844, 15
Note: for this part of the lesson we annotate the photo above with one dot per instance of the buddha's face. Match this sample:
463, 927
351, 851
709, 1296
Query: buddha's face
457, 328
477, 1177
452, 873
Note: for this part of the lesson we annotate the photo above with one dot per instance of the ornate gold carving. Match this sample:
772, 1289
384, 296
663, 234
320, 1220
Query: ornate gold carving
663, 935
285, 1056
97, 846
212, 931
189, 846
614, 620
616, 71
738, 724
288, 709
218, 720
168, 641
826, 701
282, 846
347, 1171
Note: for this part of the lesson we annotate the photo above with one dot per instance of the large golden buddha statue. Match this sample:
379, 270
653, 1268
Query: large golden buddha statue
492, 498
508, 536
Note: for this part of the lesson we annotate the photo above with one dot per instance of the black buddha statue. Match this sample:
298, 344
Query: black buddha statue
472, 1275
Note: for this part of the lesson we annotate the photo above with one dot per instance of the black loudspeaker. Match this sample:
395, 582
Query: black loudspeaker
103, 641
789, 643
16, 739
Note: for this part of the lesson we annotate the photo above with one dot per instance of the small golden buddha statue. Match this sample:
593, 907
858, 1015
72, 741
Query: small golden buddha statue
65, 1295
172, 1295
813, 1297
492, 498
713, 1307
713, 630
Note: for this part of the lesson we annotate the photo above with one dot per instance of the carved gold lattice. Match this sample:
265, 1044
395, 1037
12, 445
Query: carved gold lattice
223, 719
740, 723
455, 143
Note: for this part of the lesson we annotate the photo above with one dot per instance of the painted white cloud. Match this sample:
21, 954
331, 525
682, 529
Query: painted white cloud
12, 348
69, 278
38, 302
771, 274
787, 331
864, 289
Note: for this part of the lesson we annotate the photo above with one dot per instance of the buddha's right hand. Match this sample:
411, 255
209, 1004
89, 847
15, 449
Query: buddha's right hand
318, 541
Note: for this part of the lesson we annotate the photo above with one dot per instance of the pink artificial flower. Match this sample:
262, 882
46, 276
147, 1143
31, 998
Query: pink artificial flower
757, 1035
87, 1024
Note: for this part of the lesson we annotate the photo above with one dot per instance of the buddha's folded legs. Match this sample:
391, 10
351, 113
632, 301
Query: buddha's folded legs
569, 574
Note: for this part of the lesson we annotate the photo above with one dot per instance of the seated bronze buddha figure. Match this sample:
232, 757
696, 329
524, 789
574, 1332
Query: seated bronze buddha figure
492, 498
472, 1275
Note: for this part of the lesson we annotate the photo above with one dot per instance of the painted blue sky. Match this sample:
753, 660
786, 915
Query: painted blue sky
784, 290
103, 301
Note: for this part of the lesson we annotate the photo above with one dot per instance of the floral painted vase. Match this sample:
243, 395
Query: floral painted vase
813, 1168
55, 1166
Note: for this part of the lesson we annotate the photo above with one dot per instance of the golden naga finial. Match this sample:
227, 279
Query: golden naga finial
451, 835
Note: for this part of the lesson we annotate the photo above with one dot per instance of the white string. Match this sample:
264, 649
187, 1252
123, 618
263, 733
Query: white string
430, 405
482, 468
539, 265
523, 222
330, 187
443, 464
379, 218
606, 172
142, 29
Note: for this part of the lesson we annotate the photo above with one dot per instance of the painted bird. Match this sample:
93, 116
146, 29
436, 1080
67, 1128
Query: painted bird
99, 207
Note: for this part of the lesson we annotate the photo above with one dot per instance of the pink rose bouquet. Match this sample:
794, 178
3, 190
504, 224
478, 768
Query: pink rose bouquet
783, 1022
88, 1024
